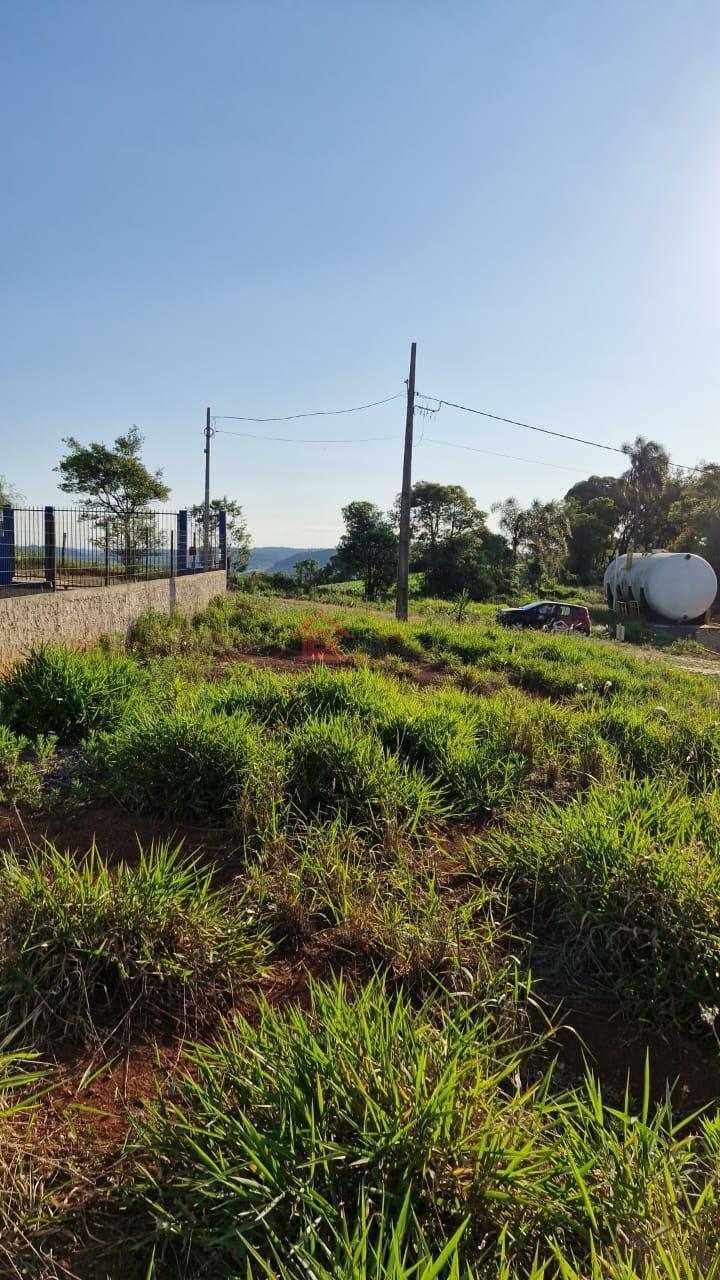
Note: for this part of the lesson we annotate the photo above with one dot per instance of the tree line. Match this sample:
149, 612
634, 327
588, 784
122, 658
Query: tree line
569, 540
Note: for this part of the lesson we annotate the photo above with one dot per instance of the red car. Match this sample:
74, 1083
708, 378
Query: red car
547, 615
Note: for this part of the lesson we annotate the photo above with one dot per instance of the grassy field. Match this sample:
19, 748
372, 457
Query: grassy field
405, 964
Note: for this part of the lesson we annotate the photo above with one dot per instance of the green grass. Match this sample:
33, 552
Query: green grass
22, 1187
337, 767
181, 760
289, 1137
378, 912
68, 694
626, 879
20, 781
458, 831
86, 952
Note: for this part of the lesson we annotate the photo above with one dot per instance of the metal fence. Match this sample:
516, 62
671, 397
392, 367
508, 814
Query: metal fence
50, 548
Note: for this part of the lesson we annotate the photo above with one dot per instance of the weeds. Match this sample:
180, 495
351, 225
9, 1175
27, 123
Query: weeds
20, 785
87, 952
154, 634
627, 881
394, 914
307, 1130
401, 1121
337, 767
184, 761
68, 694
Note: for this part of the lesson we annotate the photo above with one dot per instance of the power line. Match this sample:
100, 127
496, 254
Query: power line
449, 444
317, 413
535, 462
428, 412
247, 435
528, 426
483, 413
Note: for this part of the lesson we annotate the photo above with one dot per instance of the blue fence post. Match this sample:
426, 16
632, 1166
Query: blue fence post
50, 556
7, 547
222, 538
182, 543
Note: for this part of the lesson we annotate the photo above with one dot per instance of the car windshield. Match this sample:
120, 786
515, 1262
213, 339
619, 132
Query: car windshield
535, 605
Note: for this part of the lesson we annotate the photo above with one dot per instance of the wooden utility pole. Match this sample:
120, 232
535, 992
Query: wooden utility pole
206, 507
401, 600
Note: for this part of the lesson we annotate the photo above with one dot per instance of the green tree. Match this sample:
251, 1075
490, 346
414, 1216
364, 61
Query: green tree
612, 487
645, 482
113, 480
451, 544
442, 514
695, 515
591, 541
596, 509
9, 495
513, 523
307, 573
546, 541
115, 483
367, 549
238, 538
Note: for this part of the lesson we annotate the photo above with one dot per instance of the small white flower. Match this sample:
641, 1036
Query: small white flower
709, 1014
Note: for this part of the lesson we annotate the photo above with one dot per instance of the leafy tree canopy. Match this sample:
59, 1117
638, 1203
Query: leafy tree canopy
9, 495
513, 523
114, 479
695, 515
307, 572
592, 533
644, 484
367, 549
442, 513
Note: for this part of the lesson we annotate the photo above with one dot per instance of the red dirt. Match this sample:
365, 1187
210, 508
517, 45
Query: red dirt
285, 663
616, 1051
613, 1047
85, 1117
115, 831
289, 662
82, 1129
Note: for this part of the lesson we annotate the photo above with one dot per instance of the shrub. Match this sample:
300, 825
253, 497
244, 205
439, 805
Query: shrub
186, 761
83, 947
19, 782
159, 634
626, 880
292, 1136
337, 766
69, 694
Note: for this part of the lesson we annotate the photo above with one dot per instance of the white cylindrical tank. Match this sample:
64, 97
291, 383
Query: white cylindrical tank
676, 585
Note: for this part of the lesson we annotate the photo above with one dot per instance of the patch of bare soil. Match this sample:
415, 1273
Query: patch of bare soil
424, 674
616, 1052
117, 833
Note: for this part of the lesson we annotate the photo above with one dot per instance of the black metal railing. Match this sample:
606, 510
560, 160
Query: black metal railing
50, 548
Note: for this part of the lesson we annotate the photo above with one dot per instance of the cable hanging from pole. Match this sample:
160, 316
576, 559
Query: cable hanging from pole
316, 413
248, 435
528, 426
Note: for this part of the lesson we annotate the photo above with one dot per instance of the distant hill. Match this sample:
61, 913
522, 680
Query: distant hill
284, 559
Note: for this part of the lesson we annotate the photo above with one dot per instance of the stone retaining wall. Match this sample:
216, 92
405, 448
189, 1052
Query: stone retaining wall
80, 617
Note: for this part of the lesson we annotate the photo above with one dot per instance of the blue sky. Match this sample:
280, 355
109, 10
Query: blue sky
256, 207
